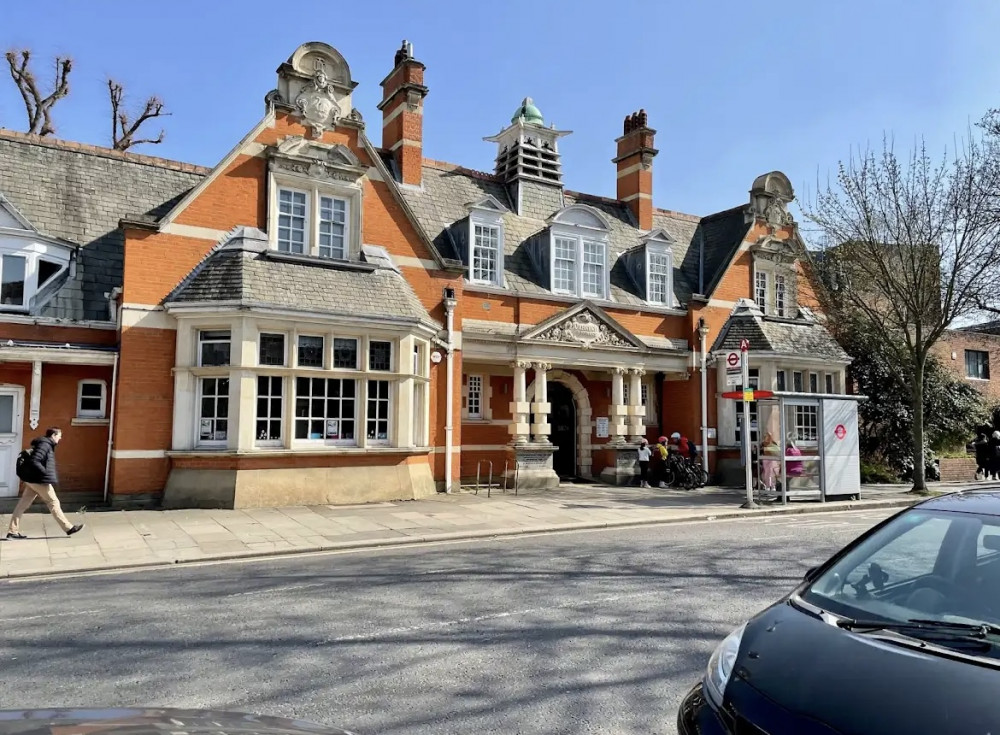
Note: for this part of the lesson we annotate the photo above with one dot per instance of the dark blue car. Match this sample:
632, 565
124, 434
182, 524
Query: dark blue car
897, 633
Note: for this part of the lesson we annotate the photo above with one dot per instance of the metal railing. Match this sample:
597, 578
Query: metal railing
490, 485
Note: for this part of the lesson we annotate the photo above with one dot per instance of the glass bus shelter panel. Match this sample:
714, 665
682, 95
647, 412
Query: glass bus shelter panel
802, 448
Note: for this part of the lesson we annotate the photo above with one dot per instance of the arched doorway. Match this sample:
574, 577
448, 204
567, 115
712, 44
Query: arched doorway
564, 431
582, 415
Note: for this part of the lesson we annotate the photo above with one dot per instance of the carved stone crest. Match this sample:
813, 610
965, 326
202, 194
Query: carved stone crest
317, 105
586, 330
776, 215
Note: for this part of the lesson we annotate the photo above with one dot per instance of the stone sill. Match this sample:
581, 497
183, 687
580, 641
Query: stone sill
309, 452
86, 421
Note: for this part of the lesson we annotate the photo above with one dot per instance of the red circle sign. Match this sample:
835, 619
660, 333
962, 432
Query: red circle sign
733, 359
744, 345
840, 431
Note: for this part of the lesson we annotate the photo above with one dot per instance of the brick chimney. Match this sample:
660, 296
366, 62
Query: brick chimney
635, 168
402, 107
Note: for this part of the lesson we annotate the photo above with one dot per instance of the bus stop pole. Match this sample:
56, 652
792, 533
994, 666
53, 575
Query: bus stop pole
746, 427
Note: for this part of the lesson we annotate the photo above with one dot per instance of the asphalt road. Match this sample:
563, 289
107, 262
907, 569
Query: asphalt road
598, 632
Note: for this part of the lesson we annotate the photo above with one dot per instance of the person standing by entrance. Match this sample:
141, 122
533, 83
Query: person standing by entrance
644, 453
40, 479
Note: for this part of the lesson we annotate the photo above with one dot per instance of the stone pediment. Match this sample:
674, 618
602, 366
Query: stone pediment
586, 326
321, 161
777, 250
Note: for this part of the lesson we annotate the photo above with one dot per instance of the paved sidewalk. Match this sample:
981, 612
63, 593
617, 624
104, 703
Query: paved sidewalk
122, 539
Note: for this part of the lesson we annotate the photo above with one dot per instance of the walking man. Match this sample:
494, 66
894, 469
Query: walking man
40, 479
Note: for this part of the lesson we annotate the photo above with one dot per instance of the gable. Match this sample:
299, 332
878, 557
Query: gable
584, 325
11, 218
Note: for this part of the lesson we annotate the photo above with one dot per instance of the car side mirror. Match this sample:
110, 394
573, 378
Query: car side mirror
810, 574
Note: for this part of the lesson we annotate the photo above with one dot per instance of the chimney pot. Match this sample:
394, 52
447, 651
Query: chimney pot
635, 177
402, 114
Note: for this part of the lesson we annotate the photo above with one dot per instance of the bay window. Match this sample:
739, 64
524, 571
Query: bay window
326, 409
270, 410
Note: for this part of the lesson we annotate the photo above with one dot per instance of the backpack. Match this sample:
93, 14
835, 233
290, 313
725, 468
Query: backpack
23, 465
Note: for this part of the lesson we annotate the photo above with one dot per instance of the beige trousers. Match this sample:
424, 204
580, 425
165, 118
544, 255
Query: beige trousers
47, 494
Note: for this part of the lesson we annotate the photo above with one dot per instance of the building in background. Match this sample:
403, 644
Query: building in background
327, 318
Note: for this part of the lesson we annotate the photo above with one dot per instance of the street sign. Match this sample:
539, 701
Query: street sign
734, 360
733, 378
744, 345
748, 395
840, 432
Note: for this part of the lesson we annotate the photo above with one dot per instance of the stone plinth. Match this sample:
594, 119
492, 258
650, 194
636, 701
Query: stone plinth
625, 467
534, 467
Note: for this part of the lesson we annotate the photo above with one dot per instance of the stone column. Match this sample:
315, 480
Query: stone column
636, 411
618, 408
520, 409
541, 408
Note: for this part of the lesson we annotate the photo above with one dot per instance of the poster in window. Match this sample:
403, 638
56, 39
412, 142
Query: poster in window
220, 436
382, 436
332, 428
206, 428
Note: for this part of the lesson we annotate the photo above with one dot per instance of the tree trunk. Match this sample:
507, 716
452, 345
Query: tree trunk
919, 470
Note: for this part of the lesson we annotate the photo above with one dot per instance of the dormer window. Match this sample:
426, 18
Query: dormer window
773, 292
29, 261
485, 242
651, 266
315, 207
577, 253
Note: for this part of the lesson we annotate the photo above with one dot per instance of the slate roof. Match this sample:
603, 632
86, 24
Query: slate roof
78, 193
800, 337
446, 190
242, 269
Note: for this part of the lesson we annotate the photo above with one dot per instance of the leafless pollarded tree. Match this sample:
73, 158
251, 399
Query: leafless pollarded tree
39, 108
909, 247
123, 128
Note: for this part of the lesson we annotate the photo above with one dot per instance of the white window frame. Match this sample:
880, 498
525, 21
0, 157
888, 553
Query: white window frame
801, 388
388, 402
660, 251
81, 412
780, 295
360, 396
34, 248
761, 279
813, 379
830, 383
305, 224
216, 340
280, 418
969, 376
578, 240
350, 194
783, 374
489, 219
806, 432
345, 237
198, 417
360, 356
478, 400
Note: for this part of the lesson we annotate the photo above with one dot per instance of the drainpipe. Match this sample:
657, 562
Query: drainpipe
703, 335
111, 427
449, 309
115, 311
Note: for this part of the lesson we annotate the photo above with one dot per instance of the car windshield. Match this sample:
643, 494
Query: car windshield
923, 566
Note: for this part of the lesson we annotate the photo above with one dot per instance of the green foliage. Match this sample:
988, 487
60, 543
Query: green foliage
953, 409
877, 473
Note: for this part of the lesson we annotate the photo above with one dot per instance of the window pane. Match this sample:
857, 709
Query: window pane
214, 347
806, 423
485, 254
564, 265
780, 382
345, 353
12, 284
829, 383
271, 349
657, 277
474, 401
310, 351
813, 383
377, 423
379, 355
779, 295
46, 271
332, 227
325, 410
291, 221
797, 382
593, 269
92, 390
213, 425
760, 291
270, 408
6, 414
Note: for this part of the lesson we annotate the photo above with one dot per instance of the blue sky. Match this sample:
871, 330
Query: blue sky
733, 88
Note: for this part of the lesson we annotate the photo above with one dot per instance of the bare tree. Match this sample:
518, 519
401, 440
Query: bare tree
909, 246
39, 108
123, 129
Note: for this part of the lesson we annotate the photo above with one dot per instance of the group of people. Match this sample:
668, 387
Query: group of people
654, 461
988, 456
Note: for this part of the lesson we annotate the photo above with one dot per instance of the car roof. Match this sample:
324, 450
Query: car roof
983, 502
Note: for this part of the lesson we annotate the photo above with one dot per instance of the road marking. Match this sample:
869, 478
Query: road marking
23, 618
275, 590
374, 635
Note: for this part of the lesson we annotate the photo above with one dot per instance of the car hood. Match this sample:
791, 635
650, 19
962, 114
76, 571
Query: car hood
855, 683
143, 721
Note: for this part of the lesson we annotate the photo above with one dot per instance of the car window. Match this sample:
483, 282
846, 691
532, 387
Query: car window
910, 555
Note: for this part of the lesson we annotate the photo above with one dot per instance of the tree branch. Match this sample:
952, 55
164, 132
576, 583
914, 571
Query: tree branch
123, 130
37, 107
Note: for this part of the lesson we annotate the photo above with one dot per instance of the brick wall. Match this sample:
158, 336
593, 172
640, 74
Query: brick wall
958, 469
951, 351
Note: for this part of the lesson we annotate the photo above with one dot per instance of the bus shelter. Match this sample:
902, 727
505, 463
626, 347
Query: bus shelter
806, 447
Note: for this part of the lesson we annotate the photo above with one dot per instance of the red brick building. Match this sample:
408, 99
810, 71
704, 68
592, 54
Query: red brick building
329, 317
973, 354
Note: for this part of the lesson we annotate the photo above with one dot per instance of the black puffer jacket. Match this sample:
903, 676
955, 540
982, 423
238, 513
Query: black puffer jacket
43, 461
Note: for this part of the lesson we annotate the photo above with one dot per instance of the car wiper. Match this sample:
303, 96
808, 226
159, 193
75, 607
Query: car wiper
943, 627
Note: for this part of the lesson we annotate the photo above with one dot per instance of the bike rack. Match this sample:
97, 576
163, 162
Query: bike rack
489, 477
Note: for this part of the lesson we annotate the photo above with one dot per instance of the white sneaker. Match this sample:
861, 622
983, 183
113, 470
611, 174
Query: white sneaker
663, 485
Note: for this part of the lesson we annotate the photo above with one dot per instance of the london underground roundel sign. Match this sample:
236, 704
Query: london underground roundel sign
840, 432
